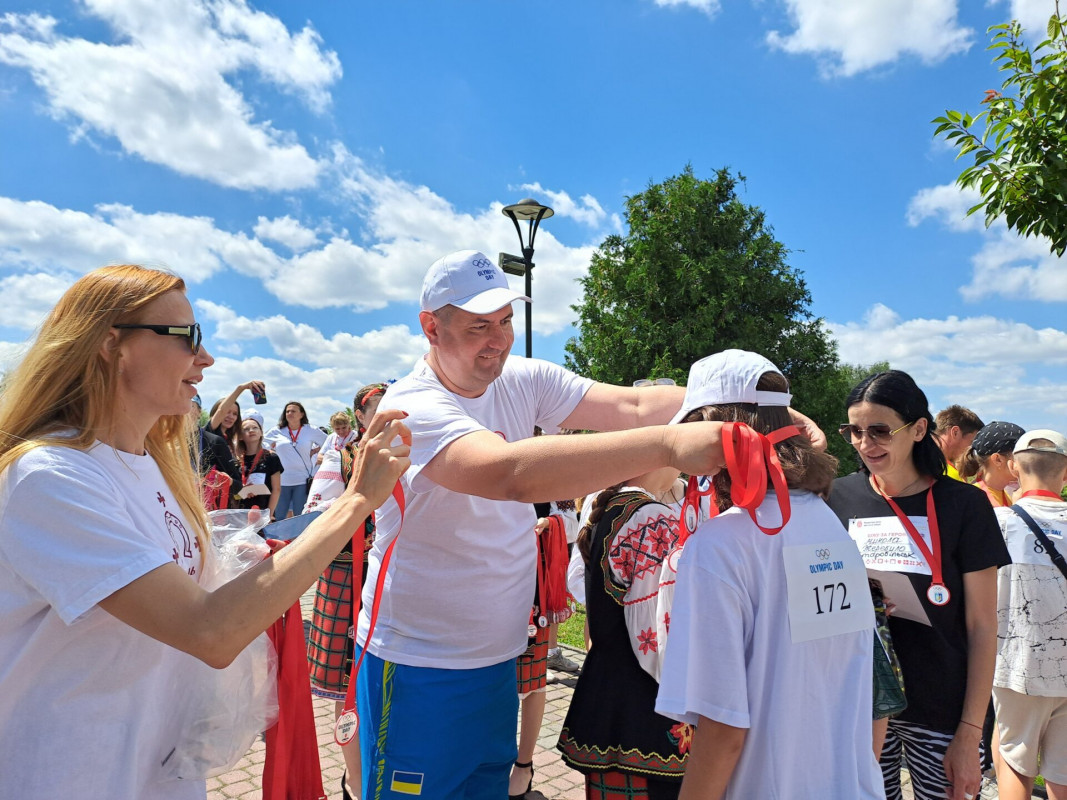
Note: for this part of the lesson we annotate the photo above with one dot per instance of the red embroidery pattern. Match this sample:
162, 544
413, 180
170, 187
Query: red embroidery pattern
682, 735
647, 641
667, 621
641, 549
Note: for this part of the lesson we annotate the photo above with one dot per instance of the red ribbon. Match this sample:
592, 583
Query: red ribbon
749, 457
931, 554
291, 769
360, 537
552, 571
1040, 493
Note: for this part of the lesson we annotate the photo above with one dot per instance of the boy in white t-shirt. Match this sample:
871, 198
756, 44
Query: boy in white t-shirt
1030, 683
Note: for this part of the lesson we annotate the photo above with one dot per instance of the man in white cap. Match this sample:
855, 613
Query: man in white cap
437, 691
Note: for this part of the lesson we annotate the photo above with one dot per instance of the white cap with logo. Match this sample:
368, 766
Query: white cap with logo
729, 377
468, 280
1057, 440
252, 414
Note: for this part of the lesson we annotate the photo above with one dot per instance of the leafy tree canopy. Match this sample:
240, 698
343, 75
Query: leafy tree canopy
698, 272
1020, 158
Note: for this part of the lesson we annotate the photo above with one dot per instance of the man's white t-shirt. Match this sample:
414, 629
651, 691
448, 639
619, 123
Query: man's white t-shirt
1031, 598
460, 584
731, 658
84, 698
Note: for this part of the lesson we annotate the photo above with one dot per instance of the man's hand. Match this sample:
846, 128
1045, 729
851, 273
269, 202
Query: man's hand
696, 447
809, 429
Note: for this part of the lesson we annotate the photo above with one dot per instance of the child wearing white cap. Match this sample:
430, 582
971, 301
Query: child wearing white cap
770, 646
1030, 682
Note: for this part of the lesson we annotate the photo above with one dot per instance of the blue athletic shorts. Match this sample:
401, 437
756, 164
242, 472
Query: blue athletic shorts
436, 733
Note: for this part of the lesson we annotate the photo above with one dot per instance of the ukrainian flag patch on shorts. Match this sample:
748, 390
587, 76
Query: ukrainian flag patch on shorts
406, 782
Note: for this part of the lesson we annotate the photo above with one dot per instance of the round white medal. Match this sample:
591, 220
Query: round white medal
938, 594
346, 727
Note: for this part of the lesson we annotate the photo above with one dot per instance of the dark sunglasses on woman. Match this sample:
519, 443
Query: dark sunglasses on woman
879, 432
191, 333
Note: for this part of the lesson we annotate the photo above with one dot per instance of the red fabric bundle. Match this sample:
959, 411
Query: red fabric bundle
291, 770
552, 570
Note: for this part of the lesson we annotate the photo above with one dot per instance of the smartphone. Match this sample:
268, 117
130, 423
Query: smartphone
260, 398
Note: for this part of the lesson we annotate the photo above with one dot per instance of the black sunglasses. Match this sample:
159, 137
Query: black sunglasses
191, 333
879, 432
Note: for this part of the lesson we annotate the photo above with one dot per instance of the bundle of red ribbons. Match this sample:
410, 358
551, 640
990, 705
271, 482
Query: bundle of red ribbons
750, 457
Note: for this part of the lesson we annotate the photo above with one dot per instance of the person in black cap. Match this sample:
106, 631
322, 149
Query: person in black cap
986, 460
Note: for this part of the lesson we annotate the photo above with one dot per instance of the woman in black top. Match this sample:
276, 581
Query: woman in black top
259, 466
950, 578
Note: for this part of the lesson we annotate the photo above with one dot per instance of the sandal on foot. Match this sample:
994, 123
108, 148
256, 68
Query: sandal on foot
529, 786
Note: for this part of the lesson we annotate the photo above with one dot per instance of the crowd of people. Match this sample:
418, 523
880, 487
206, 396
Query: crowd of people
757, 626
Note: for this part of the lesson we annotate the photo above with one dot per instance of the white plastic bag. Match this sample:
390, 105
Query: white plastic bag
225, 709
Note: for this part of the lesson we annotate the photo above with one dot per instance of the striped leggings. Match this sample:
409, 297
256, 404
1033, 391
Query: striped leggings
923, 750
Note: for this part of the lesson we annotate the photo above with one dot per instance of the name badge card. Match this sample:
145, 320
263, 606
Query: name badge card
886, 546
1024, 547
827, 589
257, 478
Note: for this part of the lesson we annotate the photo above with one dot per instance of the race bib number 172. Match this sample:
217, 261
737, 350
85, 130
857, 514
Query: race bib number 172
828, 591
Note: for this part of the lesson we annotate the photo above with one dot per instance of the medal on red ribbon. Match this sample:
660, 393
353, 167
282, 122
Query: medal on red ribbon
938, 594
348, 720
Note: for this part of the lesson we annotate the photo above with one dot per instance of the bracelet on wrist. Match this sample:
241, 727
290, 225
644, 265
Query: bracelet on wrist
965, 722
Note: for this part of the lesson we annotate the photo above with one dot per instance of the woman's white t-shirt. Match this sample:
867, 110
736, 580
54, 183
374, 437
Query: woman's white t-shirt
84, 698
296, 454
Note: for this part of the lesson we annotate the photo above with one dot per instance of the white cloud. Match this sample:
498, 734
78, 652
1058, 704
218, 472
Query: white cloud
322, 372
408, 228
948, 204
1007, 264
586, 211
1033, 15
40, 236
393, 346
161, 87
27, 298
709, 7
286, 231
850, 37
1000, 368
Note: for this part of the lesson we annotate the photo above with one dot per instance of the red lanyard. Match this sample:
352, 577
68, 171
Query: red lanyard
937, 594
348, 720
246, 472
749, 456
1040, 493
293, 437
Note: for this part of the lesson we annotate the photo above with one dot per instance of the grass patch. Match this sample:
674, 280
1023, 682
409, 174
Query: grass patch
572, 632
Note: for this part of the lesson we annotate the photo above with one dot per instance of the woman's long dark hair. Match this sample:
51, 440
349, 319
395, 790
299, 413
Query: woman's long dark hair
897, 390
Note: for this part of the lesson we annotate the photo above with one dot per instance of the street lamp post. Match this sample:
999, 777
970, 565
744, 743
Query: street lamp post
533, 212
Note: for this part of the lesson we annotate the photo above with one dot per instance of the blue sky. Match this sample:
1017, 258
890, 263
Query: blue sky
301, 164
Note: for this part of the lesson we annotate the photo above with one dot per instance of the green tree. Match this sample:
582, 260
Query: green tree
698, 272
1020, 158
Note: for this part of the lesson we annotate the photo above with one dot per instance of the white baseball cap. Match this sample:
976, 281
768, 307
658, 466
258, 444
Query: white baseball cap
251, 413
1059, 442
729, 377
468, 280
